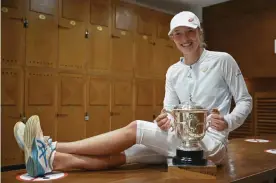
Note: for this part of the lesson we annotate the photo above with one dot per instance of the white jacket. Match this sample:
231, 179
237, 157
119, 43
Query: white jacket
211, 81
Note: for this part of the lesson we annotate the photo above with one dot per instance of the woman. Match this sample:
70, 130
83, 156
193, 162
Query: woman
209, 78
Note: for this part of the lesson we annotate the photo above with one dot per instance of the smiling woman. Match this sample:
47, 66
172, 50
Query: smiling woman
208, 78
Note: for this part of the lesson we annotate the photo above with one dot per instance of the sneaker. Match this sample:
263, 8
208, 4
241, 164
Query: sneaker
38, 156
18, 132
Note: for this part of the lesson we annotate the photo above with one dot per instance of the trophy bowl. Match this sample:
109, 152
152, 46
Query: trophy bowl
190, 123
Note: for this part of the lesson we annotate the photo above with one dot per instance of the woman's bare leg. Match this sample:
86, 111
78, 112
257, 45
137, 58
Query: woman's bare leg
108, 143
64, 161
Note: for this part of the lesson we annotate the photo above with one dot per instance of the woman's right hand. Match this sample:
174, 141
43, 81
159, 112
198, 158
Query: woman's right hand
163, 121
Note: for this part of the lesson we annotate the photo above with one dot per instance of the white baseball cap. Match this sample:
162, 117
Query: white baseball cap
184, 18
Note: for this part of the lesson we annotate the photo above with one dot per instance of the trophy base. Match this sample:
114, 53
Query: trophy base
208, 171
189, 158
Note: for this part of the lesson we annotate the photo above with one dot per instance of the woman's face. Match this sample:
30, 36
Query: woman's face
187, 39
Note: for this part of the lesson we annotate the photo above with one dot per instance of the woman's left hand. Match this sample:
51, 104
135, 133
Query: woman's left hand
218, 123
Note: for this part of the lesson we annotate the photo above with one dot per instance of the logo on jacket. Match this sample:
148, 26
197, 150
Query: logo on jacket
204, 69
238, 73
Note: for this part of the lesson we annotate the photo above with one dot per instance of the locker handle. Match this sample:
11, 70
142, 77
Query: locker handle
86, 34
61, 115
114, 113
25, 23
86, 116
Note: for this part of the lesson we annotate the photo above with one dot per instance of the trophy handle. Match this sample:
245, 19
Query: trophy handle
208, 124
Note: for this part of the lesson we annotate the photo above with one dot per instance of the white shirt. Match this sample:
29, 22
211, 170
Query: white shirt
211, 81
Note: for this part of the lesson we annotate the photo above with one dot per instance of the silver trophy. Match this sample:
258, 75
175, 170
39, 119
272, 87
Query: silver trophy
190, 124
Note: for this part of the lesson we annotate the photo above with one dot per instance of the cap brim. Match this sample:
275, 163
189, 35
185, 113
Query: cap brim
186, 25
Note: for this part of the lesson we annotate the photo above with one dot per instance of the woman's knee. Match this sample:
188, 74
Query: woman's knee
131, 130
132, 126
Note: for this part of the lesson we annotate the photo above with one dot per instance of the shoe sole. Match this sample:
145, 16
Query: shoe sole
15, 132
33, 166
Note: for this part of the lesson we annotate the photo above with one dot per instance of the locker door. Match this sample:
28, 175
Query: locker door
100, 12
40, 98
121, 108
159, 93
146, 23
161, 57
98, 106
13, 41
11, 112
175, 55
99, 38
42, 33
144, 46
144, 42
71, 107
163, 25
144, 99
73, 17
123, 24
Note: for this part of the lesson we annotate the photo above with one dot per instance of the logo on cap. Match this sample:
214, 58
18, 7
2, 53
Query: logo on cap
191, 19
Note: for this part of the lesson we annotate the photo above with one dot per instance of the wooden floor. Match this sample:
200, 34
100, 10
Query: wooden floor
246, 162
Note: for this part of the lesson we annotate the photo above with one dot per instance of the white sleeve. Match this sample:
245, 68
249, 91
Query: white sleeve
238, 88
171, 99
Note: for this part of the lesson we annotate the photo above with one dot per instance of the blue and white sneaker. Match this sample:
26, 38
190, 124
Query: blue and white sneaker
38, 155
18, 132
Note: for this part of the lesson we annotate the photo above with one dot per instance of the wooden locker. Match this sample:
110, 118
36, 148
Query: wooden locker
12, 111
98, 106
121, 103
122, 39
99, 36
13, 41
71, 107
73, 18
40, 98
163, 46
100, 12
123, 17
161, 57
74, 10
159, 94
163, 25
144, 47
144, 42
146, 21
144, 99
42, 33
175, 55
